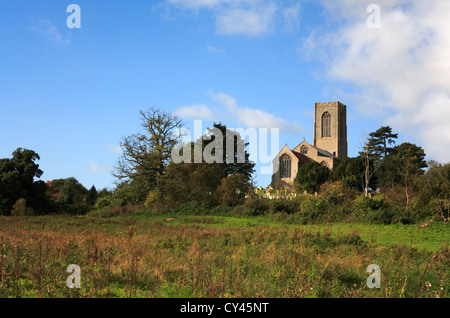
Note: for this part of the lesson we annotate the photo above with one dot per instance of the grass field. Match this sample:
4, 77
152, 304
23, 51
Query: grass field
218, 256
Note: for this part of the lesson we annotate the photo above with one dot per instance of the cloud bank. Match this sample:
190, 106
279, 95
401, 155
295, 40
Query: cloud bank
401, 69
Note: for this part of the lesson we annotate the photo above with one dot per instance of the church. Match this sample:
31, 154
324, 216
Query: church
329, 145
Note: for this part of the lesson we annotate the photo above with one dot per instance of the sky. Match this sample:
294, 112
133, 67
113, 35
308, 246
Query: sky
71, 94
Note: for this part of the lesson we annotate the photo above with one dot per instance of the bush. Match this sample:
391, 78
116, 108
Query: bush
153, 197
108, 202
242, 210
310, 177
259, 206
314, 209
376, 210
233, 189
440, 209
336, 194
20, 208
287, 206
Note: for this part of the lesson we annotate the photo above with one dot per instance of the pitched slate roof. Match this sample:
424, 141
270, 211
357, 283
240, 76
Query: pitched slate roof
301, 157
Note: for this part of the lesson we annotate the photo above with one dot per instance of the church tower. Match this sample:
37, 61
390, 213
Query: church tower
330, 128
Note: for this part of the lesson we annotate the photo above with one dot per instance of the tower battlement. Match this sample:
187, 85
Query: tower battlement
329, 104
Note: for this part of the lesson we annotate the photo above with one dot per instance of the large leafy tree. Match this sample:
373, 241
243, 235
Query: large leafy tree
194, 183
18, 179
145, 155
197, 182
434, 190
235, 158
351, 173
311, 176
68, 191
409, 161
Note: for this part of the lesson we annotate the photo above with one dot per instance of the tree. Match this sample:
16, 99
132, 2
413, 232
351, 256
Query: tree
69, 191
410, 162
311, 176
379, 142
198, 182
435, 183
233, 189
374, 150
20, 208
91, 196
145, 155
351, 173
191, 183
17, 180
235, 160
371, 165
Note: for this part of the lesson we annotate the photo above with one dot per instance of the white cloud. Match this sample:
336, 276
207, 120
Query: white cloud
244, 17
251, 21
94, 167
402, 68
196, 111
46, 28
215, 50
252, 117
114, 149
244, 116
291, 17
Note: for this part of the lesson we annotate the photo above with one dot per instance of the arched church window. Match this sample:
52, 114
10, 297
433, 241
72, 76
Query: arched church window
326, 125
285, 166
304, 150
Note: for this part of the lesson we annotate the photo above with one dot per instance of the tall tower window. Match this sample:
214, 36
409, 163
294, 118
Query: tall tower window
326, 125
285, 166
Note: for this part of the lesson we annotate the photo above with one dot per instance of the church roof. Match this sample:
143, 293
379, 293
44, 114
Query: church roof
301, 157
319, 150
323, 152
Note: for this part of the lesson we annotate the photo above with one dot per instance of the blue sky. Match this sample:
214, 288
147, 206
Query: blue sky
71, 94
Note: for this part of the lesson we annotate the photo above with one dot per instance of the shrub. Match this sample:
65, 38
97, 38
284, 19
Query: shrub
258, 205
440, 209
287, 206
310, 177
153, 197
233, 189
20, 208
242, 210
367, 203
108, 201
314, 209
376, 210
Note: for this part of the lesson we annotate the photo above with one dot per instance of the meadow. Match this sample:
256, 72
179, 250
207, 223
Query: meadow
161, 256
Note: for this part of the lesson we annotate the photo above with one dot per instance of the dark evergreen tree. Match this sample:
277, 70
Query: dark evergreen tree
91, 196
311, 176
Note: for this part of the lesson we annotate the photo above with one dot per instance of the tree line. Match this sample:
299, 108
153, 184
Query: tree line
147, 176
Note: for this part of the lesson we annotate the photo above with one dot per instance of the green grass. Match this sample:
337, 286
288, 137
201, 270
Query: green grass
144, 255
430, 238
